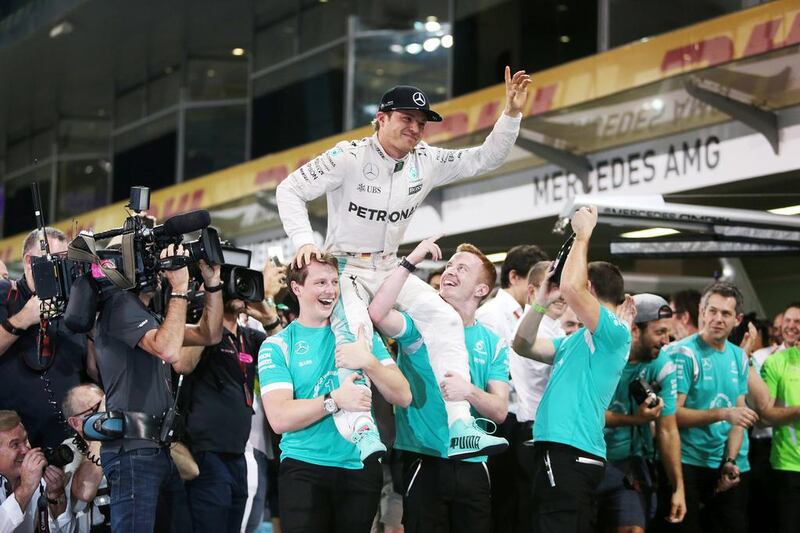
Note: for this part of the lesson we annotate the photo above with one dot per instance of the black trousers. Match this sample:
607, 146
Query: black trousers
322, 499
443, 496
511, 473
707, 512
564, 485
761, 498
786, 488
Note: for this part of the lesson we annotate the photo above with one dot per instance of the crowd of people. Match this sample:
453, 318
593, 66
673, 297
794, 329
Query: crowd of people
356, 397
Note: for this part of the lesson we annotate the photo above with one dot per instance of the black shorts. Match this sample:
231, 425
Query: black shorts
564, 484
442, 495
317, 499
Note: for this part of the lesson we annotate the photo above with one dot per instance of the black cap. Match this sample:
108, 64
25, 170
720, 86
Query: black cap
408, 97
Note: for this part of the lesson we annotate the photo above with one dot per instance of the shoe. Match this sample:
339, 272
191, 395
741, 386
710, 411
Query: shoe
368, 441
467, 440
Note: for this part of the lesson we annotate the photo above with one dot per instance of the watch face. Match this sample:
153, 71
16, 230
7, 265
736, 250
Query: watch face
330, 405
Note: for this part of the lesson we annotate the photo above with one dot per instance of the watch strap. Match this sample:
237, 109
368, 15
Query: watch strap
9, 327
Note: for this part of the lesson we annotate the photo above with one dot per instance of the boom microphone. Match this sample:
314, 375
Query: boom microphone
183, 223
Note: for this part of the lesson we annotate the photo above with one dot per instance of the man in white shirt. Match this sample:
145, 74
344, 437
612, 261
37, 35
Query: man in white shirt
501, 314
21, 471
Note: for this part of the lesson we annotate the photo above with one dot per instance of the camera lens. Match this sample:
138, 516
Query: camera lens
244, 285
60, 456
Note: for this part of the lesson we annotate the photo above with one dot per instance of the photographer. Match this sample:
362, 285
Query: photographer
87, 488
219, 409
22, 469
135, 349
646, 393
26, 372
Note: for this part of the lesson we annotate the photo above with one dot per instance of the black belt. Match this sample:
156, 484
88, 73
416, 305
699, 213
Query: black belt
142, 426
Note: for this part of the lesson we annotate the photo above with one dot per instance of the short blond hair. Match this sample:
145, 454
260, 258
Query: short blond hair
9, 420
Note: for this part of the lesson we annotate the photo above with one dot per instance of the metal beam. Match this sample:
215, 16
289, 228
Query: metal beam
764, 122
576, 164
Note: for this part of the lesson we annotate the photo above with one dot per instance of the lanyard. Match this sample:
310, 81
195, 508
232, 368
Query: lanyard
244, 359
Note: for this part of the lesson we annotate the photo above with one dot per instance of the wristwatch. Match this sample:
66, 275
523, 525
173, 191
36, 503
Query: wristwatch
329, 404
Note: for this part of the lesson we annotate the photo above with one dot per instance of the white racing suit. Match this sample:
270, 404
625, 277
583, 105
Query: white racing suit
371, 198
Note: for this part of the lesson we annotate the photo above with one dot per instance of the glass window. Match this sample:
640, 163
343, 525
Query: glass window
415, 57
82, 186
217, 79
145, 156
130, 106
18, 155
630, 20
81, 136
215, 139
276, 42
299, 103
523, 34
163, 92
322, 23
18, 214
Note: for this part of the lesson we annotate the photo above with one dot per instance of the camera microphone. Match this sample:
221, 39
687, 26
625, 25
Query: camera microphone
183, 223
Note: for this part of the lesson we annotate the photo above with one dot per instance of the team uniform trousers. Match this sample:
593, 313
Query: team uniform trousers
564, 483
786, 488
323, 499
442, 495
724, 512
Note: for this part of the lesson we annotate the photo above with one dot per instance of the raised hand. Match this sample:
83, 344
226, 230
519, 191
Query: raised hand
516, 91
428, 246
304, 255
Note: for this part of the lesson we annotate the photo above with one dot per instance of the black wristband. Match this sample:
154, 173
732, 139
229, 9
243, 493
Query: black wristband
215, 288
407, 265
9, 327
273, 325
179, 296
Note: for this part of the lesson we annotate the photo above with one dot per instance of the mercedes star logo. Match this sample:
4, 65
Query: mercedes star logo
371, 171
418, 98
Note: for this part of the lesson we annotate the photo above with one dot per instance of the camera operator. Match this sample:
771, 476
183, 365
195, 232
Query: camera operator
135, 349
87, 488
646, 393
61, 358
219, 409
22, 469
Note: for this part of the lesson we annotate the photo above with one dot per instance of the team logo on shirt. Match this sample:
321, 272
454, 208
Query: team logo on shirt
413, 175
480, 347
372, 189
415, 189
301, 347
335, 151
707, 364
371, 171
720, 401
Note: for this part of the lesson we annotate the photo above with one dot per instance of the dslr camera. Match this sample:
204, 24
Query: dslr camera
642, 391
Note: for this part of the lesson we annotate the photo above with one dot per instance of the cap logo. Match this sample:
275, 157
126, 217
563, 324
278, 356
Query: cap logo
418, 98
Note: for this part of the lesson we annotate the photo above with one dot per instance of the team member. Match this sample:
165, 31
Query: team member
443, 494
323, 482
501, 314
685, 306
373, 187
781, 373
712, 417
627, 493
568, 433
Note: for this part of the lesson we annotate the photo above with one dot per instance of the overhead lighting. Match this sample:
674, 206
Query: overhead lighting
649, 233
432, 26
447, 41
238, 51
564, 38
431, 44
497, 258
396, 48
657, 104
413, 48
791, 210
62, 28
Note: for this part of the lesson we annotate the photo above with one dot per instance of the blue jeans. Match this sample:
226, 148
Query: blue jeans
218, 495
146, 491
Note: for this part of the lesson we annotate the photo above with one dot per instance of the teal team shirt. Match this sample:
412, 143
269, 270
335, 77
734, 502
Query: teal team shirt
710, 379
422, 426
626, 441
586, 370
301, 359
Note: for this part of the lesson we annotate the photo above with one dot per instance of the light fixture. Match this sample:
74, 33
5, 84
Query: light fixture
790, 210
238, 51
447, 41
564, 38
431, 44
62, 28
413, 48
432, 26
499, 257
649, 233
211, 73
396, 48
657, 104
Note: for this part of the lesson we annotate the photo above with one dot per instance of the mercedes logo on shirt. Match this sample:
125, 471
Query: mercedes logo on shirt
418, 98
371, 171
